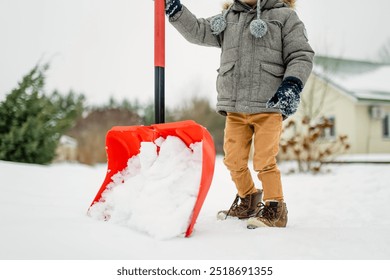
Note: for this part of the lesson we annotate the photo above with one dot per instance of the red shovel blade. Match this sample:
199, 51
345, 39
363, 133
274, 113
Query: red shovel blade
124, 142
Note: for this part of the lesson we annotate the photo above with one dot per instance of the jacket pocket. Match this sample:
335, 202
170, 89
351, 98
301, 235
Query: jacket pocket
225, 81
273, 69
271, 76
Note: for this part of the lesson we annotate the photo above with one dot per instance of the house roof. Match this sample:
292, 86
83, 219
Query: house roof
362, 80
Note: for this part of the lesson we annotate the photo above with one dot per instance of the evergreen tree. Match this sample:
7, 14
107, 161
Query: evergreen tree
32, 122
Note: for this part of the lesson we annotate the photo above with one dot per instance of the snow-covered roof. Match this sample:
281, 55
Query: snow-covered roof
365, 81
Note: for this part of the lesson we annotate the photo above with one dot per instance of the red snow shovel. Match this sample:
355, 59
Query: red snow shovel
124, 142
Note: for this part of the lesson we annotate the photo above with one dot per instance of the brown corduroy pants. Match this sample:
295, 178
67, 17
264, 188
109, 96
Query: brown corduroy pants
265, 129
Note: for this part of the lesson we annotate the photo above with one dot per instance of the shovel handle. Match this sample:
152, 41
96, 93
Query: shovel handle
159, 61
159, 33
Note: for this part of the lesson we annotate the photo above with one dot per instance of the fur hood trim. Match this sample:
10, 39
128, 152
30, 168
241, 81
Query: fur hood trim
226, 5
290, 3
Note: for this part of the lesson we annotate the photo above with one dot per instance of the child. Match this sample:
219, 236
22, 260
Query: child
265, 61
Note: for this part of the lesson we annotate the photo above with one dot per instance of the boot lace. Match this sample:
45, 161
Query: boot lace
266, 211
237, 207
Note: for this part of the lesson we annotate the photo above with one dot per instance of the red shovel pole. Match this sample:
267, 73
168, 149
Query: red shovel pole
159, 61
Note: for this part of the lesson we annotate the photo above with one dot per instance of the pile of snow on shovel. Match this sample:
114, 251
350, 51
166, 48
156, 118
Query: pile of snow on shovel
157, 191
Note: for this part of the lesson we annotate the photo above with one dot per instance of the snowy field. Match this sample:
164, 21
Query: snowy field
342, 214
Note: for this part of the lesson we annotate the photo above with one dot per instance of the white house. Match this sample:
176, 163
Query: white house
355, 95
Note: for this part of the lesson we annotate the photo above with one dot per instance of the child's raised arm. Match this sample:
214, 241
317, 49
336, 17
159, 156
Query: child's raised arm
195, 30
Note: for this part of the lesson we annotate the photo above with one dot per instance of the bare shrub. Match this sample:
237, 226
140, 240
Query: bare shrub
308, 146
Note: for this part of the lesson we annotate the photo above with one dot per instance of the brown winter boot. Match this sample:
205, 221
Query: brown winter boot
272, 214
248, 207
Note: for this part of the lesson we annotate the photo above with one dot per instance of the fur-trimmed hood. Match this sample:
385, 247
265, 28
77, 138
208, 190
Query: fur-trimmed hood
267, 3
290, 3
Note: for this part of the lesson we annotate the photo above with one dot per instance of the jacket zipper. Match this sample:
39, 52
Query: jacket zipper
239, 59
252, 69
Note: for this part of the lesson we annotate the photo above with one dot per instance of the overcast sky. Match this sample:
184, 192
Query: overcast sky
104, 48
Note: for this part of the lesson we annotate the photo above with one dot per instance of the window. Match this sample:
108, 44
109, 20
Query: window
386, 126
330, 130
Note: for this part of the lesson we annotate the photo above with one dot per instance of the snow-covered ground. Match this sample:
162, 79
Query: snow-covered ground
342, 214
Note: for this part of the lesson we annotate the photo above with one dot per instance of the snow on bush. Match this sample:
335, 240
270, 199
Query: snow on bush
157, 191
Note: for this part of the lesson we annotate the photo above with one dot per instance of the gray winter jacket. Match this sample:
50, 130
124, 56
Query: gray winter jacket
252, 69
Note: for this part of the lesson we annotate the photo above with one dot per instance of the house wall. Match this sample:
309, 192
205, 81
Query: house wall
343, 108
363, 129
372, 139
